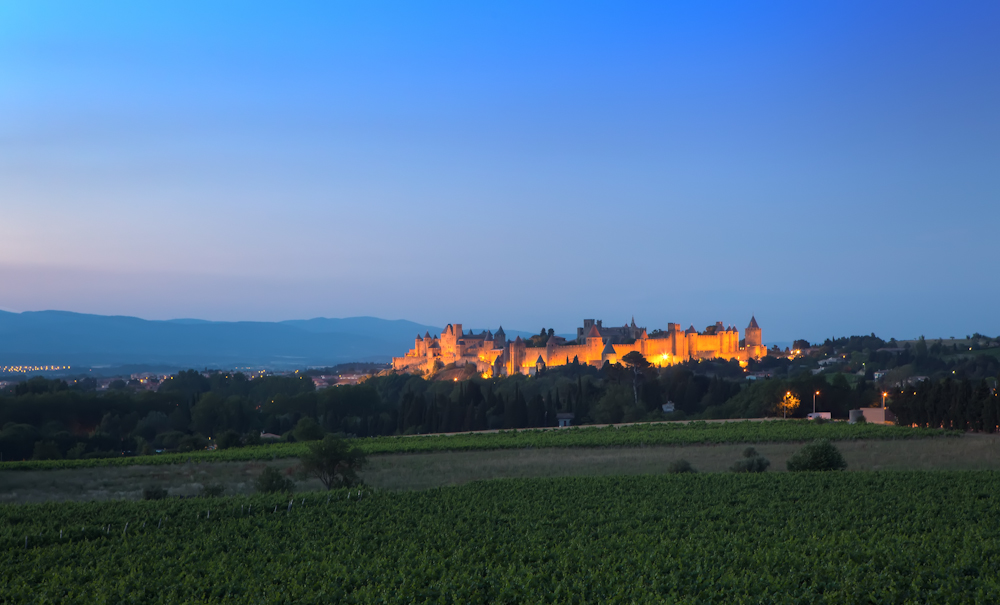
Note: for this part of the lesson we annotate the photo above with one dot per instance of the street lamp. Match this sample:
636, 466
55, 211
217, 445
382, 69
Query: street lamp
814, 401
883, 399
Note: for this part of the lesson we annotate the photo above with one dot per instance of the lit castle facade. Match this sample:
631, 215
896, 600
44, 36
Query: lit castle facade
494, 355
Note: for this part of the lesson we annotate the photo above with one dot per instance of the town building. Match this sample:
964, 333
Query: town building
494, 355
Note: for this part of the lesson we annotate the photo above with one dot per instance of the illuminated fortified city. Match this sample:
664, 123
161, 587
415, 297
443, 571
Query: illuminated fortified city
494, 355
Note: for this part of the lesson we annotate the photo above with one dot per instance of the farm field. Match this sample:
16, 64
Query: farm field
637, 435
425, 470
887, 537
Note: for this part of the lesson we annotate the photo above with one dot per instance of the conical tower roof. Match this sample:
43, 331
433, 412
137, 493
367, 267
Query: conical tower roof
608, 350
594, 332
753, 323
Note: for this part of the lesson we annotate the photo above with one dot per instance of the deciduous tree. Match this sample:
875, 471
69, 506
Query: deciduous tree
788, 404
333, 462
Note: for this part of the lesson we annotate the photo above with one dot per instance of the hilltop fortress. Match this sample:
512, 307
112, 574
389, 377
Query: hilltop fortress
494, 355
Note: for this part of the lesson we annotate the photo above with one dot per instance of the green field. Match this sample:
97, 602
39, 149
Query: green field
927, 537
624, 436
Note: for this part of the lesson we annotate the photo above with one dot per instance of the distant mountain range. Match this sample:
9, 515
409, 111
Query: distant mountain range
76, 339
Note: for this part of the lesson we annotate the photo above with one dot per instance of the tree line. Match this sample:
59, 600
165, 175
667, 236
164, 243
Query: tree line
961, 404
54, 419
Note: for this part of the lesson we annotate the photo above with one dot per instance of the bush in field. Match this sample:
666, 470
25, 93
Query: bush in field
154, 493
333, 462
752, 462
820, 455
213, 491
680, 466
271, 481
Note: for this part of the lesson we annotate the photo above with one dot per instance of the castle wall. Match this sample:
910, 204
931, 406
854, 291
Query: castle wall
667, 349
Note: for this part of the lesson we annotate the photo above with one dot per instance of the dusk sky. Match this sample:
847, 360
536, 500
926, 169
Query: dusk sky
832, 167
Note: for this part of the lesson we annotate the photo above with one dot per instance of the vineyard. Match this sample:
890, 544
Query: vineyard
797, 537
625, 436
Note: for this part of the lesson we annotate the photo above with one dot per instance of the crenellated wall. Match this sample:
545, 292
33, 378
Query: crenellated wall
663, 349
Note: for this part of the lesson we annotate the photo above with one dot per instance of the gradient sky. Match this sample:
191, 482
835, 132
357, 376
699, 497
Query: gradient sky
832, 167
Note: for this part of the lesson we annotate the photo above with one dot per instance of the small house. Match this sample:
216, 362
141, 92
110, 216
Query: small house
565, 418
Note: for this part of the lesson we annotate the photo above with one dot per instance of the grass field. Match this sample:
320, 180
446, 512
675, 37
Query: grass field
635, 435
919, 537
435, 469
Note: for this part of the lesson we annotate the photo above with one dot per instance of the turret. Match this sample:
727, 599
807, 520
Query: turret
753, 335
551, 345
608, 354
515, 356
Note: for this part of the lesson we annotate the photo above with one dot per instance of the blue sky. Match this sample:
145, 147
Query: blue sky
831, 167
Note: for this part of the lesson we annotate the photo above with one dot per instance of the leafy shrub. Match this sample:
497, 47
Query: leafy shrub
333, 462
752, 462
154, 493
190, 443
756, 464
308, 429
228, 439
76, 452
213, 491
169, 440
143, 448
820, 455
46, 450
680, 466
152, 425
271, 481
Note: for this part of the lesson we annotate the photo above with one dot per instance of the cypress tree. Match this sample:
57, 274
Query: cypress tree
535, 412
509, 415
